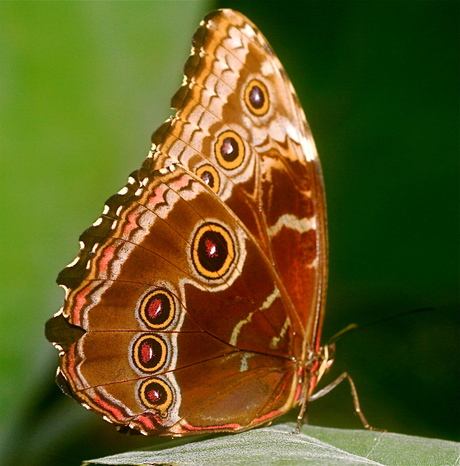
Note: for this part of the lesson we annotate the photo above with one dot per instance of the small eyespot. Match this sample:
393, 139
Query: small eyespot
210, 176
157, 309
229, 150
149, 353
213, 250
257, 98
156, 394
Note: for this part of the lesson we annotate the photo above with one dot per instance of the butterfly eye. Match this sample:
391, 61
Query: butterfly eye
157, 309
210, 176
256, 97
149, 353
212, 250
229, 150
155, 393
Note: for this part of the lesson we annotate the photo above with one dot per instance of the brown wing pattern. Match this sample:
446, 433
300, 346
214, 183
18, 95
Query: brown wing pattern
198, 292
276, 189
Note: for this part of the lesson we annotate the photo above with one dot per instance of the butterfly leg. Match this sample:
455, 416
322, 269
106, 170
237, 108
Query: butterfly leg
302, 416
354, 395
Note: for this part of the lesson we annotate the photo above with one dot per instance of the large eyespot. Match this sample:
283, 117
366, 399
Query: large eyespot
157, 309
213, 250
229, 150
156, 394
149, 353
257, 98
210, 176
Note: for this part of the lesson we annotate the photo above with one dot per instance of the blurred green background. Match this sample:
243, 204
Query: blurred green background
82, 87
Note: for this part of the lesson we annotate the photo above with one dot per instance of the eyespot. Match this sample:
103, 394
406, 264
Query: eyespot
157, 309
210, 176
213, 250
229, 150
257, 98
149, 353
155, 394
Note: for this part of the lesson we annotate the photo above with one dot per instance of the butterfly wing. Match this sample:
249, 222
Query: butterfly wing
241, 128
184, 311
178, 333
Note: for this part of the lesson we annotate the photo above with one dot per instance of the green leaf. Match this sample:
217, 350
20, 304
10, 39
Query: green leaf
277, 445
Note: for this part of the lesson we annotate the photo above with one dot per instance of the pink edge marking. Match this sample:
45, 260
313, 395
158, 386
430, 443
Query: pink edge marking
182, 181
189, 428
132, 223
268, 416
80, 301
146, 422
107, 407
157, 197
107, 256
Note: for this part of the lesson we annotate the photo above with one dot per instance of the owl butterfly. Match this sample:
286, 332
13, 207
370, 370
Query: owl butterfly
197, 298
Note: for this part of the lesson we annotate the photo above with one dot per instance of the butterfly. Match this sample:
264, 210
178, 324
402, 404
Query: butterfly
197, 299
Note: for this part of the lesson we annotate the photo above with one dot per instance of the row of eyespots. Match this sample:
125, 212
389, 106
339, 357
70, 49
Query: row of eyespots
149, 353
229, 148
213, 252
